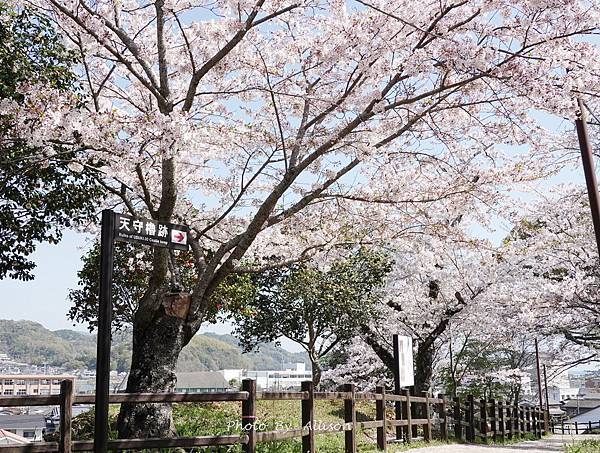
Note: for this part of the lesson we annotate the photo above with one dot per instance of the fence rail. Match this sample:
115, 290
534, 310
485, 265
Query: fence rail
563, 427
468, 420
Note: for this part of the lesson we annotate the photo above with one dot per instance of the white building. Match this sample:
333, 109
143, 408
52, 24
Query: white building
289, 379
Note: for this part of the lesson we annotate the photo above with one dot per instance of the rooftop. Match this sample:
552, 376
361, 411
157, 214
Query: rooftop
36, 376
22, 421
587, 403
201, 379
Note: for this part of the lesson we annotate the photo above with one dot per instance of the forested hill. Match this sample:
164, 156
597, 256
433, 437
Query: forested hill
30, 342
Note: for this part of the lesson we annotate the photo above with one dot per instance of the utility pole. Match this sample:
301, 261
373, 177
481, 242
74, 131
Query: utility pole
587, 158
539, 374
547, 413
546, 388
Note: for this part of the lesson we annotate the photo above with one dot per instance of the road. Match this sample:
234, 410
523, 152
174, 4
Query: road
554, 443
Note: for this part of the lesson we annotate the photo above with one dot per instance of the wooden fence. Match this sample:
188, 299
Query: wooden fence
566, 427
468, 420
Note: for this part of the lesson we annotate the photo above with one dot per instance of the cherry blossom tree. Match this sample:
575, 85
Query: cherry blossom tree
555, 246
282, 128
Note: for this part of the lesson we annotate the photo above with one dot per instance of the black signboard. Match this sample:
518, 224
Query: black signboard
151, 232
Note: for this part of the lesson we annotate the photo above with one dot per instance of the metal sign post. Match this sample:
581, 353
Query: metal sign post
397, 388
121, 227
403, 372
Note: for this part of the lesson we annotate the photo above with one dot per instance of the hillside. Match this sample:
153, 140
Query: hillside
30, 342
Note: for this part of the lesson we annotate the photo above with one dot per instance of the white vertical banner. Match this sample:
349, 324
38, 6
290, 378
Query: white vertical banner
405, 361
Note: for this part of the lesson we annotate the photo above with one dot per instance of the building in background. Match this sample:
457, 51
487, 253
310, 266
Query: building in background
579, 406
288, 379
202, 382
9, 438
32, 384
30, 427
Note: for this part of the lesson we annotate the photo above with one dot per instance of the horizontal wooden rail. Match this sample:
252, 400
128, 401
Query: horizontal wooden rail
26, 400
33, 448
270, 436
274, 396
184, 442
333, 395
470, 419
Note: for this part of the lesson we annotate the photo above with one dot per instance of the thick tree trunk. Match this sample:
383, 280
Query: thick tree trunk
423, 368
156, 348
423, 375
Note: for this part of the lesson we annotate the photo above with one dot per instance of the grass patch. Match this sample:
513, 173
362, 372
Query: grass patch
585, 446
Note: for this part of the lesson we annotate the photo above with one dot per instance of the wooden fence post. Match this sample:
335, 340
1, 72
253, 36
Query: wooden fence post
458, 428
380, 416
501, 421
427, 426
308, 417
407, 415
471, 418
398, 408
511, 420
576, 428
66, 415
528, 420
494, 419
249, 415
483, 423
443, 418
350, 417
522, 421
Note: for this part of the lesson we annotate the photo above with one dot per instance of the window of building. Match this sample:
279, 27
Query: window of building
44, 392
8, 392
28, 434
22, 392
20, 382
55, 382
8, 382
45, 381
35, 391
55, 391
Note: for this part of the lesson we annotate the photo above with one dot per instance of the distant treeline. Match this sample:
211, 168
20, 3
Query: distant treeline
30, 342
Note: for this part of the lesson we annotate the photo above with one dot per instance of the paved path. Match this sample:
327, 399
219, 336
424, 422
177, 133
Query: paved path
554, 443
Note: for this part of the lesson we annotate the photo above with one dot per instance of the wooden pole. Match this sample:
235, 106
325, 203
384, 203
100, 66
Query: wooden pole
249, 415
547, 413
539, 373
350, 417
66, 415
427, 426
471, 418
308, 417
501, 420
107, 246
443, 418
483, 412
458, 428
511, 420
380, 416
494, 418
